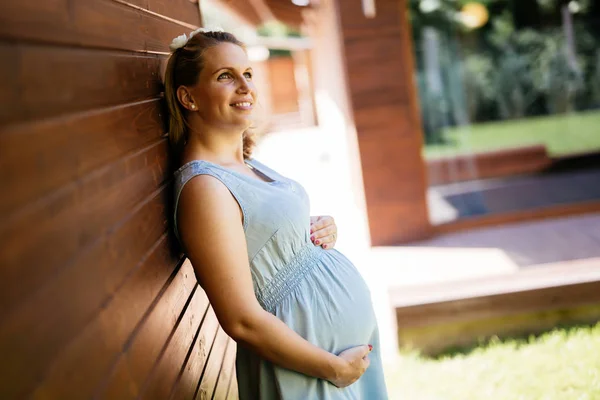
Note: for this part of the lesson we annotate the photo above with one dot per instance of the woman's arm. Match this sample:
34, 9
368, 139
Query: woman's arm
212, 233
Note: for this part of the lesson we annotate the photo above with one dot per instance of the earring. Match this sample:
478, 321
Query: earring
193, 106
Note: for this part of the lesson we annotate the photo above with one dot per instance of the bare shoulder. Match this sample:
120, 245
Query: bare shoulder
206, 197
202, 185
206, 188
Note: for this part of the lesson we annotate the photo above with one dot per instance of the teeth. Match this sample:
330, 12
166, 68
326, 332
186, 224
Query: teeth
244, 104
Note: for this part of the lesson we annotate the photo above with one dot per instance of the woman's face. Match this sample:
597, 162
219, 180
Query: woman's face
225, 94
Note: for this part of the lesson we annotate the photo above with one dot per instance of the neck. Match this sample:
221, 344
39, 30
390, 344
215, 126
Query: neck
216, 145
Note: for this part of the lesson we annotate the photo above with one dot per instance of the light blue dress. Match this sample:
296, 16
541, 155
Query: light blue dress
318, 293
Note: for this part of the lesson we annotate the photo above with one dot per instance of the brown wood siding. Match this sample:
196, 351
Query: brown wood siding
94, 300
379, 66
489, 164
284, 91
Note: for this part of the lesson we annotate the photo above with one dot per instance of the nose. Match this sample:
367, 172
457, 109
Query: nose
244, 86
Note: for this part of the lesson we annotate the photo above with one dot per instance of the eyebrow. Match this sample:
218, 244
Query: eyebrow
231, 68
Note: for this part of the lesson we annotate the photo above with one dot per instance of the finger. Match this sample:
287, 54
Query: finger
366, 362
327, 242
365, 350
321, 223
322, 234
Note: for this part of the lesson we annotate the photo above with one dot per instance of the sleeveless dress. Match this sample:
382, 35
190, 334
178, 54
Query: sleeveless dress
316, 292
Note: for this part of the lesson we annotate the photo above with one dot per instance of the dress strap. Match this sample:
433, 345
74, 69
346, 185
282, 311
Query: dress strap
262, 168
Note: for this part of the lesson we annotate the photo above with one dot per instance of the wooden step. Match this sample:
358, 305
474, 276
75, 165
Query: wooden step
433, 317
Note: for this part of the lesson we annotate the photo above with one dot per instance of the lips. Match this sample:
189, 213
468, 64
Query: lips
242, 104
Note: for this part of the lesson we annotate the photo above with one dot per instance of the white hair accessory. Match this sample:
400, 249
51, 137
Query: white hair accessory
181, 40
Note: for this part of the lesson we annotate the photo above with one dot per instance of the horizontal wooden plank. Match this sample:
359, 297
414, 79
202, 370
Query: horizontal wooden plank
490, 164
287, 12
160, 382
483, 307
244, 10
556, 211
32, 156
145, 347
88, 23
213, 366
52, 234
190, 376
89, 79
43, 322
226, 372
180, 10
86, 360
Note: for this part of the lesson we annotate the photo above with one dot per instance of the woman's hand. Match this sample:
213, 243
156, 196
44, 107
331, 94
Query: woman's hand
355, 362
323, 231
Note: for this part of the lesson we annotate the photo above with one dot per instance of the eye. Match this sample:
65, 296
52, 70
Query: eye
248, 75
224, 75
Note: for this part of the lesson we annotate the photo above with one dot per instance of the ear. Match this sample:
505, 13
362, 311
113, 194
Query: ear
186, 99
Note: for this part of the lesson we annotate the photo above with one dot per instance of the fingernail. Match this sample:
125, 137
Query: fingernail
312, 238
370, 348
324, 246
317, 242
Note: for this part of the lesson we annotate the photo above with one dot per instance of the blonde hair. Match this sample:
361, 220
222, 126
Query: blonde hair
183, 68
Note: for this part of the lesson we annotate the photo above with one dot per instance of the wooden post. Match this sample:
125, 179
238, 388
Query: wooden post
380, 75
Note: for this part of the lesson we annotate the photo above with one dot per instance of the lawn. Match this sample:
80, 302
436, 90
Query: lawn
560, 365
562, 134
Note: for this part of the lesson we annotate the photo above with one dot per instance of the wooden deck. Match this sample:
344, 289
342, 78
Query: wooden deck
528, 244
556, 281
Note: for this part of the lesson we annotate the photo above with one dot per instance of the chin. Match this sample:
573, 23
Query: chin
245, 123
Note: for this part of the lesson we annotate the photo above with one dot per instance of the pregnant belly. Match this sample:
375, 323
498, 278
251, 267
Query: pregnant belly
332, 306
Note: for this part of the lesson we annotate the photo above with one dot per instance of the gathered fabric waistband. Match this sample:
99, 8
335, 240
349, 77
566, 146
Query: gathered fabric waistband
289, 277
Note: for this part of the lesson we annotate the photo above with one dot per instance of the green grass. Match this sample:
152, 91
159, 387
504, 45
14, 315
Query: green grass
562, 134
560, 365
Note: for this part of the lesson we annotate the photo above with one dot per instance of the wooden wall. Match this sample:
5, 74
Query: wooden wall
94, 303
283, 90
380, 78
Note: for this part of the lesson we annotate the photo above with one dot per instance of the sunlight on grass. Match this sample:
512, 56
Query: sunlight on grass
562, 135
560, 365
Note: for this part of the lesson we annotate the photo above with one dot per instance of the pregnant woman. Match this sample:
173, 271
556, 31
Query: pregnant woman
298, 309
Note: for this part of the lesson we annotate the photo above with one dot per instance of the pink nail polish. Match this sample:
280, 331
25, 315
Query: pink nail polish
317, 242
324, 246
312, 238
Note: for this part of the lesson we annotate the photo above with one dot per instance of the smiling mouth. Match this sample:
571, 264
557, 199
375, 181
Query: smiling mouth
242, 104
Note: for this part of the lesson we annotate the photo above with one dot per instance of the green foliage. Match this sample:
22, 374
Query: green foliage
595, 81
274, 53
529, 65
561, 134
277, 29
558, 365
501, 72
